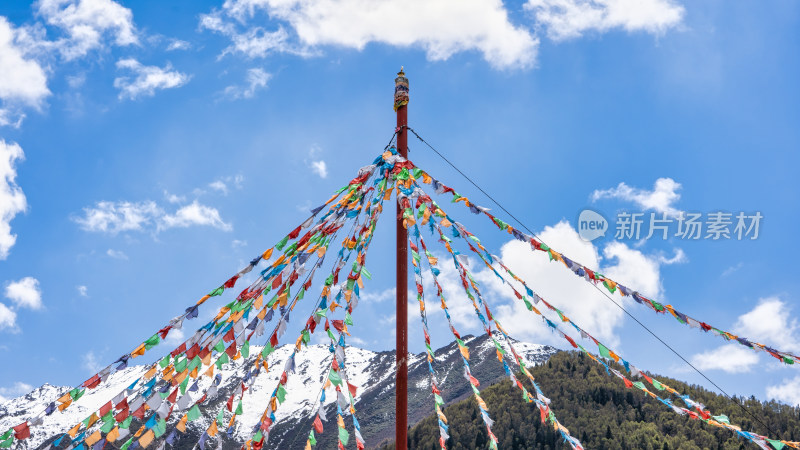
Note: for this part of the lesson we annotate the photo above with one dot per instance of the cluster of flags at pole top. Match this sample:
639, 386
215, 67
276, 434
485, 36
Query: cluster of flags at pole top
174, 391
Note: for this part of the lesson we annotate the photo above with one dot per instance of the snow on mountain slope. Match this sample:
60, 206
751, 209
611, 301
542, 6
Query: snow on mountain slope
17, 410
372, 372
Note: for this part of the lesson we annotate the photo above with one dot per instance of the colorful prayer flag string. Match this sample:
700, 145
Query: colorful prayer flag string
595, 277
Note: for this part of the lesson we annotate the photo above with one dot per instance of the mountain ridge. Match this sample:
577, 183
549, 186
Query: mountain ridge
372, 372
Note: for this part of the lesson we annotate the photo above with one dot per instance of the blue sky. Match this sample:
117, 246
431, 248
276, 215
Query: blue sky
148, 152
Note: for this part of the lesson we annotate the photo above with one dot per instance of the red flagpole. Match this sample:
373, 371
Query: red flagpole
401, 376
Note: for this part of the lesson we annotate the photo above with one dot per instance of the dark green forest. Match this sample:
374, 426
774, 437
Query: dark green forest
602, 413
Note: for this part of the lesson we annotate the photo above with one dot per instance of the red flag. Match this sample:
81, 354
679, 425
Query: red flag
277, 281
339, 325
230, 403
229, 336
273, 341
123, 404
22, 431
122, 415
192, 352
164, 331
318, 425
105, 408
172, 397
231, 282
181, 348
571, 341
231, 350
628, 383
139, 413
92, 383
352, 389
295, 233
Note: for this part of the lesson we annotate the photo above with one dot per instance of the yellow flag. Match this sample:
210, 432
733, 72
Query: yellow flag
93, 438
113, 435
145, 440
181, 426
150, 373
74, 431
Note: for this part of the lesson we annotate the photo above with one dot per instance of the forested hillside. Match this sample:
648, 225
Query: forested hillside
602, 413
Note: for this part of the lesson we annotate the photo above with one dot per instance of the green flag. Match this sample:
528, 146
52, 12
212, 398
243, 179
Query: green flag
246, 349
151, 342
603, 351
334, 378
217, 291
194, 413
777, 444
239, 409
160, 428
281, 393
344, 436
107, 427
221, 417
312, 439
126, 444
282, 243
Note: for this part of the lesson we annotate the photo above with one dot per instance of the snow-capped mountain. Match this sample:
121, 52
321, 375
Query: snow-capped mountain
372, 372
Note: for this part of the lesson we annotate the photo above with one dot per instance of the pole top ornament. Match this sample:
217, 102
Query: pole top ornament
400, 89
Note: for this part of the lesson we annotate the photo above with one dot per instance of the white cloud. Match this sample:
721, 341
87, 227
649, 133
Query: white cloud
91, 362
440, 28
76, 81
23, 81
8, 318
175, 336
114, 217
257, 79
177, 44
576, 298
116, 254
86, 23
194, 214
83, 291
377, 297
12, 199
661, 198
730, 358
17, 389
565, 19
320, 168
357, 341
732, 269
769, 323
219, 186
255, 42
172, 198
25, 293
236, 243
787, 392
147, 79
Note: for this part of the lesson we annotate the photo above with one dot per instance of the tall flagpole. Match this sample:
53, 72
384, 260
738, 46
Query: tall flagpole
401, 376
